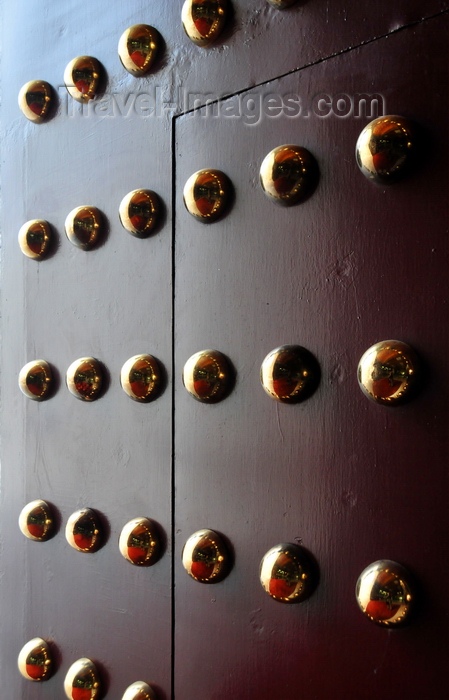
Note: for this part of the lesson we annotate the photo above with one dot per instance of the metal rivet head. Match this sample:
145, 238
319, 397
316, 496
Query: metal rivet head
35, 239
204, 20
36, 521
288, 574
289, 174
141, 378
208, 376
290, 374
388, 372
139, 691
205, 557
386, 149
36, 100
85, 378
139, 212
207, 194
384, 592
36, 380
138, 48
140, 542
82, 681
83, 530
35, 661
82, 78
85, 227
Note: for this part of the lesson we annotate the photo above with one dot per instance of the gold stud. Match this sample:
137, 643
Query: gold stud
85, 378
82, 681
388, 372
387, 148
138, 48
140, 542
206, 557
36, 100
35, 660
204, 20
35, 239
83, 531
290, 374
139, 212
288, 573
36, 380
208, 376
384, 592
85, 227
141, 378
207, 194
139, 691
36, 521
82, 78
289, 174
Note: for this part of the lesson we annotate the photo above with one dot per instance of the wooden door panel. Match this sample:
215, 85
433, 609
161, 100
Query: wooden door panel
113, 302
355, 264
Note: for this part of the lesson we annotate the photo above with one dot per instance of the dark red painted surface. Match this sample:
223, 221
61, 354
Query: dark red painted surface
356, 263
352, 481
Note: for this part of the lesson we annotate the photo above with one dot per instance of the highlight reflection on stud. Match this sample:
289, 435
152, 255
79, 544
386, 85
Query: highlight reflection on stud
387, 148
35, 238
139, 212
36, 521
388, 372
208, 376
82, 78
207, 194
138, 47
139, 691
36, 99
289, 174
287, 573
85, 226
204, 20
140, 542
82, 681
205, 557
83, 530
36, 379
290, 374
35, 661
85, 378
384, 593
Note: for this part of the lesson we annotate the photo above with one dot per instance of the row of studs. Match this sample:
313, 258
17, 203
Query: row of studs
36, 663
388, 373
140, 542
384, 593
288, 573
288, 174
138, 49
85, 226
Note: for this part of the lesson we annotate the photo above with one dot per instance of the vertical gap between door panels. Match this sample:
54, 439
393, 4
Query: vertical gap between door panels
173, 484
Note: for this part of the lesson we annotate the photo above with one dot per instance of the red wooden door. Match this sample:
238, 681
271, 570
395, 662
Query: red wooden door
352, 481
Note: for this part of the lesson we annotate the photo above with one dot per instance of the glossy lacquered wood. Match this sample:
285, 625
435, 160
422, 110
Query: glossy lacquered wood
335, 274
351, 266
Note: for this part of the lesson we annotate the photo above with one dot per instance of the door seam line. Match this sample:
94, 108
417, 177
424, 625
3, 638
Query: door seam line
317, 62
